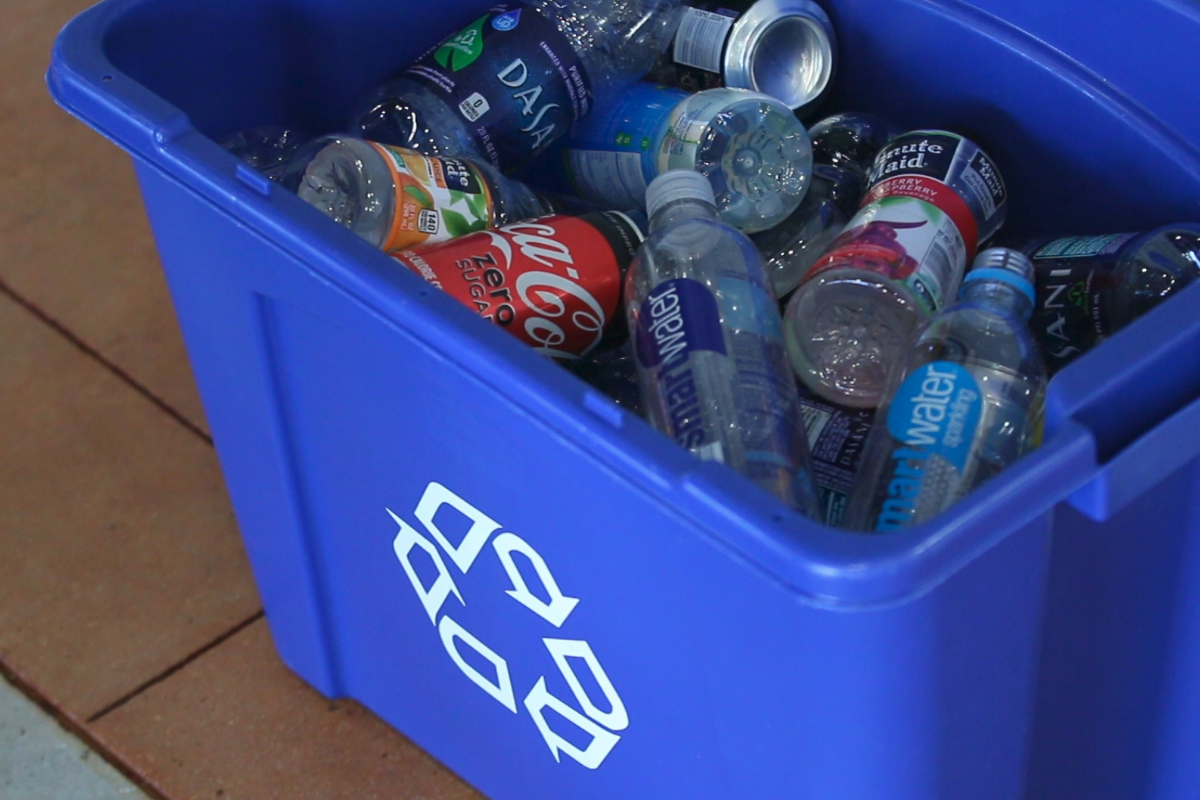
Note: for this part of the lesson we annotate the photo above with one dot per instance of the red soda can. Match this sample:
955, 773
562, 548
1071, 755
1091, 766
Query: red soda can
553, 282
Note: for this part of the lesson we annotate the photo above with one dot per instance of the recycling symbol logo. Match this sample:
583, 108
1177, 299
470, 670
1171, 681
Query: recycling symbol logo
420, 541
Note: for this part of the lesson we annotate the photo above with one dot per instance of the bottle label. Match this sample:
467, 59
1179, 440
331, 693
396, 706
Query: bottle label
678, 318
695, 60
688, 122
933, 420
700, 39
514, 78
913, 226
610, 155
905, 239
437, 198
836, 438
1083, 246
1073, 276
555, 282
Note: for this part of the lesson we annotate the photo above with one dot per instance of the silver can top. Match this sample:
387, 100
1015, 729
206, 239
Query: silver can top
783, 48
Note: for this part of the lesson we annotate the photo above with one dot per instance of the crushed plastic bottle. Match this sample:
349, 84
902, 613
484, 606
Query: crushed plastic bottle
269, 148
706, 331
962, 405
843, 145
396, 198
514, 80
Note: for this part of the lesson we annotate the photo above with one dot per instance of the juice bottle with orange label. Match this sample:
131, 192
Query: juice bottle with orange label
397, 198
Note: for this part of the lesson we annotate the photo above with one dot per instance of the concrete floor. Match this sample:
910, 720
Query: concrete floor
41, 761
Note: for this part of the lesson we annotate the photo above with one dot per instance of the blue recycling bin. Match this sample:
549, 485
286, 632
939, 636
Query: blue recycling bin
558, 602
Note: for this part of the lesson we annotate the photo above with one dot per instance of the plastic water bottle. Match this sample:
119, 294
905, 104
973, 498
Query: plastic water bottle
706, 331
397, 198
269, 148
843, 145
515, 79
751, 147
932, 197
1089, 287
964, 403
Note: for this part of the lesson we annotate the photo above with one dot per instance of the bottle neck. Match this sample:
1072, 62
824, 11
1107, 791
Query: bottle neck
680, 210
1000, 297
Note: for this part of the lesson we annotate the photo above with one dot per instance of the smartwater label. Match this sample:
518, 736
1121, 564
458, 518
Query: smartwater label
515, 79
933, 420
680, 316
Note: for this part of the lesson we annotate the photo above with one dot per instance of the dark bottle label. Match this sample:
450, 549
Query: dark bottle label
1074, 282
555, 282
513, 77
694, 60
836, 438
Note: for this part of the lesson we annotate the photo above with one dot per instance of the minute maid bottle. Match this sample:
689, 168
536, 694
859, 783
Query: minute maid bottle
515, 79
932, 196
963, 404
751, 147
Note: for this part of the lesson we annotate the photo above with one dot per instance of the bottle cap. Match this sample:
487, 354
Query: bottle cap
678, 184
1006, 266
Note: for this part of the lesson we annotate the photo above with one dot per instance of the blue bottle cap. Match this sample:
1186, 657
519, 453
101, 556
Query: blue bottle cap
1005, 266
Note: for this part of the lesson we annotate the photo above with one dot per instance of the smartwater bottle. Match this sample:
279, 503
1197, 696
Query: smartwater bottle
963, 404
709, 343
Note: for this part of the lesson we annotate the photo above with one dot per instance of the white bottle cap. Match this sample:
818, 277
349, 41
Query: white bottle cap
678, 184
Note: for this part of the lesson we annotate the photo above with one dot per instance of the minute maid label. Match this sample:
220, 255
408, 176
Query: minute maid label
514, 79
436, 198
933, 421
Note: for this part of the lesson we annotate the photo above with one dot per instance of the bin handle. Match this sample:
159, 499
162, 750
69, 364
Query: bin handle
1141, 466
1137, 394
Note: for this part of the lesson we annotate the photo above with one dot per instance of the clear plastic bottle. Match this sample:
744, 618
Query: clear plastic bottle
706, 332
516, 78
1089, 287
397, 198
751, 147
268, 148
843, 145
932, 196
963, 403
